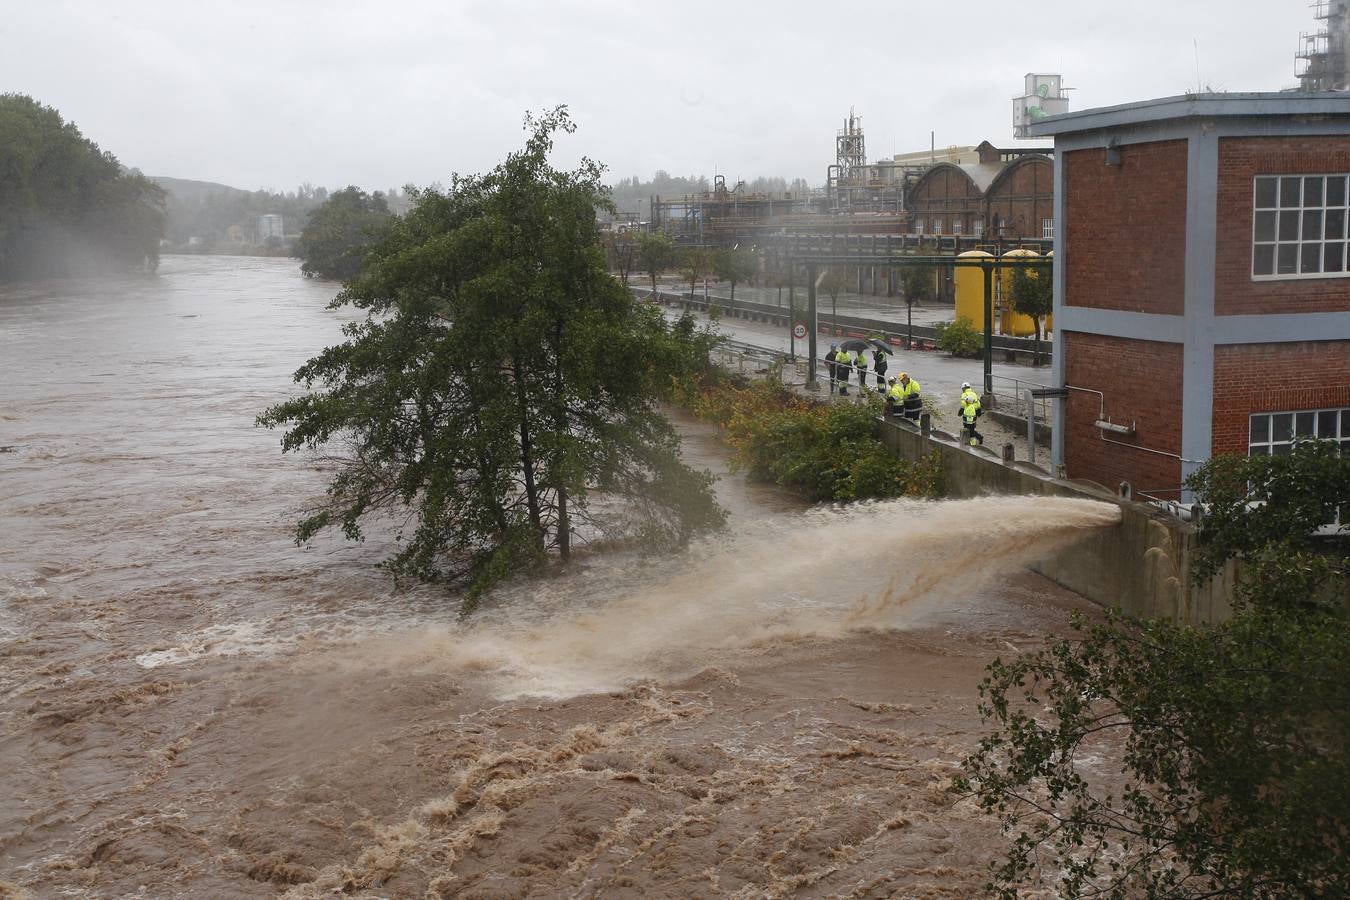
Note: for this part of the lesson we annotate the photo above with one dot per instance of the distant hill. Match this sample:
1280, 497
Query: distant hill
188, 190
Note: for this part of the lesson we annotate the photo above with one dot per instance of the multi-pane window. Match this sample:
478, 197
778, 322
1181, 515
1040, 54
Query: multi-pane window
918, 226
956, 226
979, 227
1299, 226
1273, 434
937, 226
1048, 229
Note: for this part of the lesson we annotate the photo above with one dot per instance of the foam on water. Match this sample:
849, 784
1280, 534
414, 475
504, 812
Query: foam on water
819, 575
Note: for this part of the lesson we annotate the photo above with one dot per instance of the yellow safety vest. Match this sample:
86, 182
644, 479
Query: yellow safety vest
970, 407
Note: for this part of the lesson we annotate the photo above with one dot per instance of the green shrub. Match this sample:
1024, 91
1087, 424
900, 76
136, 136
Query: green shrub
960, 338
826, 451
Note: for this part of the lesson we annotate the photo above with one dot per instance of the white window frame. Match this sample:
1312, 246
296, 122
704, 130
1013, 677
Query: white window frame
956, 226
918, 226
937, 226
1303, 238
1301, 423
1048, 229
1322, 427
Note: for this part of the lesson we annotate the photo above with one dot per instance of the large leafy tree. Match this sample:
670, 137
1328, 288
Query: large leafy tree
501, 381
622, 250
656, 251
1157, 759
735, 265
1033, 294
916, 285
340, 231
66, 206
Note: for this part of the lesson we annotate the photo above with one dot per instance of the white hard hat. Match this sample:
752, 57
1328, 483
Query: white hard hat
964, 385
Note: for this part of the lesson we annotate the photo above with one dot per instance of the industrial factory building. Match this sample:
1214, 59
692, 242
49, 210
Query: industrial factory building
1004, 195
1202, 304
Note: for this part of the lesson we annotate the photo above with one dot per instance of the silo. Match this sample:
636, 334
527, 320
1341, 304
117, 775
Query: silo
970, 289
1011, 322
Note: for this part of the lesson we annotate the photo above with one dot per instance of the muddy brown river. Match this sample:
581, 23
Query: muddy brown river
191, 705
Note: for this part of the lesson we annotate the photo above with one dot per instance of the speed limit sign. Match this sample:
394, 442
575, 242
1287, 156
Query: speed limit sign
799, 330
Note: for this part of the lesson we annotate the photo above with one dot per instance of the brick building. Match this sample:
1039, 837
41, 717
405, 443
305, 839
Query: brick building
1007, 194
1202, 301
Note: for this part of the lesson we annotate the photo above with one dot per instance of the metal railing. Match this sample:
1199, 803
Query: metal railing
1012, 397
738, 354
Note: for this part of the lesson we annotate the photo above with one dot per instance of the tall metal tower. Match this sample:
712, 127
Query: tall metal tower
1321, 63
850, 151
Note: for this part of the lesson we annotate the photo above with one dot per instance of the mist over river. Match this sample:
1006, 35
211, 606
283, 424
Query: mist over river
192, 705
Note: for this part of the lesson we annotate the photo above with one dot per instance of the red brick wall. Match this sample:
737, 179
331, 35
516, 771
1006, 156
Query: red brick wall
1022, 196
948, 194
1240, 160
1142, 384
1252, 378
1126, 228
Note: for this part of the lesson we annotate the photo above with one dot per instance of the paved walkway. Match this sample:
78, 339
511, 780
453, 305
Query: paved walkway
939, 375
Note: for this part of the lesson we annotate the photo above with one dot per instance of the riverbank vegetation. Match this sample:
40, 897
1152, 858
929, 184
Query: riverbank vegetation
827, 451
501, 381
67, 207
1231, 738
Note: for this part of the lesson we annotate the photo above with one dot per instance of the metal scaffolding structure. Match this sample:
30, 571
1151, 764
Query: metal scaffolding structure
1321, 62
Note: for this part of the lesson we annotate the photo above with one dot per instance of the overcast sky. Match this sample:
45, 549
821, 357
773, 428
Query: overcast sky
386, 93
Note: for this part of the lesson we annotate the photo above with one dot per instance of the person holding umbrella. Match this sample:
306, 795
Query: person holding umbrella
856, 350
844, 368
879, 363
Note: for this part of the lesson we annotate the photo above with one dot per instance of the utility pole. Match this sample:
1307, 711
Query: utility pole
988, 270
811, 383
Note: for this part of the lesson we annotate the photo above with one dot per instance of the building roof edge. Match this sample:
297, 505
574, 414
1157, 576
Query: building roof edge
1191, 106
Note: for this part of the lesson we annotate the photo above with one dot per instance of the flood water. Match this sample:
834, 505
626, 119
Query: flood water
190, 704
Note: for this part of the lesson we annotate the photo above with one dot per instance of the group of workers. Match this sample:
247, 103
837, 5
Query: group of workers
902, 393
842, 363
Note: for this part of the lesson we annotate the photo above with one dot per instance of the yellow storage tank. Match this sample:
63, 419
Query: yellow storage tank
970, 289
1011, 322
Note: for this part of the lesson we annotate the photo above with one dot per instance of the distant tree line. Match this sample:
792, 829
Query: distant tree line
67, 207
210, 218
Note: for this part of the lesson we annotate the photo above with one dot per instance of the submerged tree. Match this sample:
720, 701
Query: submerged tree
1230, 739
340, 231
501, 379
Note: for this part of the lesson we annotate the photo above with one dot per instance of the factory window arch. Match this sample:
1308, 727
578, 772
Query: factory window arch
1299, 226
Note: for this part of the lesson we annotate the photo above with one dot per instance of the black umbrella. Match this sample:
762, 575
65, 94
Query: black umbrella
853, 345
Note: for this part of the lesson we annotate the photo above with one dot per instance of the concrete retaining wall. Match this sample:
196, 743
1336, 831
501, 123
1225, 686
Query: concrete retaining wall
1141, 565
